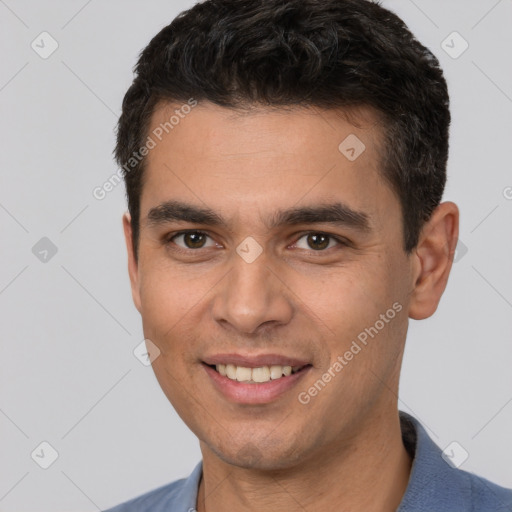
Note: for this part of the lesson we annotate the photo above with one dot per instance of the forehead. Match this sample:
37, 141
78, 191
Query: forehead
300, 129
264, 158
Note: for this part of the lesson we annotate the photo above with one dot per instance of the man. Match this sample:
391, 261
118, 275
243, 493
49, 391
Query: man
285, 162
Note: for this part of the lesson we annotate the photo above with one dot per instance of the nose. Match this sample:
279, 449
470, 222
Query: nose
252, 297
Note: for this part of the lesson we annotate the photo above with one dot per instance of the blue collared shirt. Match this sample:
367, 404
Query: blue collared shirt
434, 485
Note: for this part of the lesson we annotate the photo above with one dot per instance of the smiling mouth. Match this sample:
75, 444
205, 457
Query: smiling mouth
257, 375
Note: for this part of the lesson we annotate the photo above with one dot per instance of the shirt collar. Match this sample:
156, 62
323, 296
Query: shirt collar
433, 483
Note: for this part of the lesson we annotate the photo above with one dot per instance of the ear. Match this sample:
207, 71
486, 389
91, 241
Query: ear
433, 258
133, 267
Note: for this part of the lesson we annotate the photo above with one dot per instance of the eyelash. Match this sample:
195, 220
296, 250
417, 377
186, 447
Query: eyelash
169, 240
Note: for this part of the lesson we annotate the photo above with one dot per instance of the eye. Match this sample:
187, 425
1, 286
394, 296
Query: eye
192, 240
317, 241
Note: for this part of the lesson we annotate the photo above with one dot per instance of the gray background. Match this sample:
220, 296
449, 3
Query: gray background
68, 373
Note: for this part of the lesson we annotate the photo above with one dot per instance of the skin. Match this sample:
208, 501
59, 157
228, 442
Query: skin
345, 444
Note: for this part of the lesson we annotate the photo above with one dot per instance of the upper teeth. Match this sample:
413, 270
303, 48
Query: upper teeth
261, 374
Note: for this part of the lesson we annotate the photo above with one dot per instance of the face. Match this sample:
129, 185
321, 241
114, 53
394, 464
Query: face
263, 246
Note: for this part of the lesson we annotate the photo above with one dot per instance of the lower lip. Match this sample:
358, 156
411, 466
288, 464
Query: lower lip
260, 393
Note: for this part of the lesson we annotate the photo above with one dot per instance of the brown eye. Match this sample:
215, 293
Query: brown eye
192, 240
316, 241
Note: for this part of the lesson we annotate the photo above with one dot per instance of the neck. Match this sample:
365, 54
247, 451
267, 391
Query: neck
369, 473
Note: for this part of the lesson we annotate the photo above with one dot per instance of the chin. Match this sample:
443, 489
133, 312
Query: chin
263, 458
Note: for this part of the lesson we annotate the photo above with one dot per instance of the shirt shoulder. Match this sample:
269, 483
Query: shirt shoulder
486, 495
178, 495
157, 500
435, 485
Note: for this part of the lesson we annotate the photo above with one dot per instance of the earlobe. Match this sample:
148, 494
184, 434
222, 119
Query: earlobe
133, 268
433, 260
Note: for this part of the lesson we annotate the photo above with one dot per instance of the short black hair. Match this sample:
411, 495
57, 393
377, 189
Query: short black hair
331, 54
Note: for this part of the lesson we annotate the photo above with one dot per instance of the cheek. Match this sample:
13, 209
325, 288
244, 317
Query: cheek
168, 297
347, 305
168, 307
344, 296
161, 308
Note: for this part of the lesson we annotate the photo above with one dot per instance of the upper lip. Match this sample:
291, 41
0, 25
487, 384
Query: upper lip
254, 361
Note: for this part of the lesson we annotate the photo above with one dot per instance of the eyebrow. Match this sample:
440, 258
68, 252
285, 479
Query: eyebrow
338, 214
